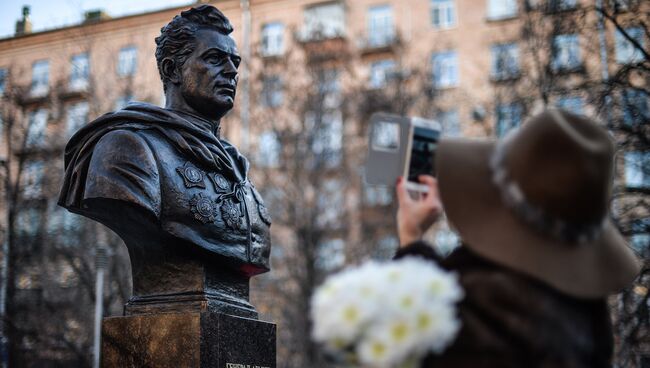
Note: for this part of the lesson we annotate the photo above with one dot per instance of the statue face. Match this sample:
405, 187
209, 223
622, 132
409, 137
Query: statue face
209, 75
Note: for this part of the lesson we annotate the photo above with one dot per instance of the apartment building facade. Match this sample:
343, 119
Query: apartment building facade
478, 67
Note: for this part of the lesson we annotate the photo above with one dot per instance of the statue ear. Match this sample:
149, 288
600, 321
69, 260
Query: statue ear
170, 71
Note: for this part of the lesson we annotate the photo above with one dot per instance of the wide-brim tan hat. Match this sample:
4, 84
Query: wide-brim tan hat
538, 202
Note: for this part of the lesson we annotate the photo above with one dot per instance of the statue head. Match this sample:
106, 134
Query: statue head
198, 61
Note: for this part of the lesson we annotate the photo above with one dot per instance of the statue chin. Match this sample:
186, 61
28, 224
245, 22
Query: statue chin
213, 108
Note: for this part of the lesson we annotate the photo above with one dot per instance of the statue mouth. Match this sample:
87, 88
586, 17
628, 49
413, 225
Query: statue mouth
226, 89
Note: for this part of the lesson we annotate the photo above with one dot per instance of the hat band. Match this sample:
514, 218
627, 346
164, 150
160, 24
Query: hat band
513, 197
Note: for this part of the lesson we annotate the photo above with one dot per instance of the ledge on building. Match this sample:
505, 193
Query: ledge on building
73, 91
389, 44
34, 98
501, 18
505, 77
566, 70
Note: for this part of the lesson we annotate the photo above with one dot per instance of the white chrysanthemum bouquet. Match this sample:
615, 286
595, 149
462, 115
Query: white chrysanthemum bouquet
387, 314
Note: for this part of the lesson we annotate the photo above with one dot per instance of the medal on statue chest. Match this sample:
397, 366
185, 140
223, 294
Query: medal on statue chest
203, 208
231, 214
192, 177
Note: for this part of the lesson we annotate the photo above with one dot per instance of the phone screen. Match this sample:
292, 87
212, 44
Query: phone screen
423, 150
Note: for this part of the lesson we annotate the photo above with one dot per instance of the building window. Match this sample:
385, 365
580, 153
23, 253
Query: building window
325, 21
560, 5
76, 117
127, 61
505, 61
572, 104
32, 183
3, 81
637, 170
330, 204
63, 222
501, 9
640, 240
40, 78
378, 195
445, 69
443, 13
622, 5
328, 138
268, 150
28, 221
79, 71
330, 255
626, 52
380, 72
380, 26
122, 101
272, 91
508, 116
37, 124
450, 122
273, 39
329, 89
566, 52
636, 107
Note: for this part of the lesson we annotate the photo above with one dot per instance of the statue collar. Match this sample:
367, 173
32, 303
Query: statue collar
190, 135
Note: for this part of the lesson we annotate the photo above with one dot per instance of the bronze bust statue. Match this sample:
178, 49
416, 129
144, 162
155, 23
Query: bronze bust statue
166, 182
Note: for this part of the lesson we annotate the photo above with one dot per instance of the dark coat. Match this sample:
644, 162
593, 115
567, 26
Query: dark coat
511, 320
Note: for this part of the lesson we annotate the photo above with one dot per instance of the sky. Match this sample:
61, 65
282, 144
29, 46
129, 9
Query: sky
48, 14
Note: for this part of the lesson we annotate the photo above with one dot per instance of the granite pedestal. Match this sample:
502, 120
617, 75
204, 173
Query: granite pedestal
187, 340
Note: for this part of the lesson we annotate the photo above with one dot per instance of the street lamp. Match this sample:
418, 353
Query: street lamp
101, 260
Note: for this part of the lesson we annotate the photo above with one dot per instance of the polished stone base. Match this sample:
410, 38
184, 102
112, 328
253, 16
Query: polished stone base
187, 340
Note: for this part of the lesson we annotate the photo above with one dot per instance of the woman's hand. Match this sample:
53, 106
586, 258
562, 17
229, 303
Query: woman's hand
415, 216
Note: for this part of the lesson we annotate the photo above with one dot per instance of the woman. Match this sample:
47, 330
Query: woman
540, 253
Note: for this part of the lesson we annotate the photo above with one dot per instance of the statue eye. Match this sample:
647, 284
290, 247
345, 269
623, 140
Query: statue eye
214, 59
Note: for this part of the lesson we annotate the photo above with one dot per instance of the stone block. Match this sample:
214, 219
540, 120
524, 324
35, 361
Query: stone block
187, 340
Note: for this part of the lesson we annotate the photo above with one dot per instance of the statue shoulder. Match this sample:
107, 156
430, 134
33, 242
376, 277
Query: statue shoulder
123, 167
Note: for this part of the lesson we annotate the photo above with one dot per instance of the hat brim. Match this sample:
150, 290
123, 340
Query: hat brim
473, 206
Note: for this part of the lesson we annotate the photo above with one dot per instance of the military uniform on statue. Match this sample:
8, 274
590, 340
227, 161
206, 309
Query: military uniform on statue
179, 196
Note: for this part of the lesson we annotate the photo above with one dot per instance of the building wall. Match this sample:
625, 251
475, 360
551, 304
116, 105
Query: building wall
475, 97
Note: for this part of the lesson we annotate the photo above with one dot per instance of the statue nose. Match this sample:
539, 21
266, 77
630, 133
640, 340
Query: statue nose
230, 70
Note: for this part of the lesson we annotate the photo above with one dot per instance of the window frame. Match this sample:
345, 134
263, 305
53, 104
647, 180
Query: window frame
379, 72
620, 42
449, 60
447, 14
514, 112
512, 51
79, 76
272, 42
635, 175
494, 15
40, 84
380, 27
127, 61
566, 44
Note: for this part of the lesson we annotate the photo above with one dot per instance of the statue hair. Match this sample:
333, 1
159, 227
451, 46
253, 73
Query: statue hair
176, 39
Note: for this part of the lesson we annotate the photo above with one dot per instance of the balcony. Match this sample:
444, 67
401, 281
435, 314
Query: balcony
379, 42
76, 88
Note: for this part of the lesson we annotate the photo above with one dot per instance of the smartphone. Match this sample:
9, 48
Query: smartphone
401, 146
421, 154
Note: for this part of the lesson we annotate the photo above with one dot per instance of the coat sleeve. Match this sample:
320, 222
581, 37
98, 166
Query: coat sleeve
123, 168
418, 249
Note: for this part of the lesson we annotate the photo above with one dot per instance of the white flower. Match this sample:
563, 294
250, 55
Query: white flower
391, 314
